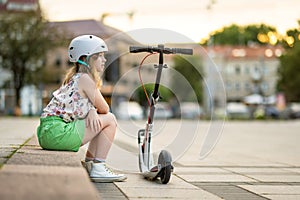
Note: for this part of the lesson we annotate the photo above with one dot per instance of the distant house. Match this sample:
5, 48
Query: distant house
117, 64
245, 70
57, 63
19, 5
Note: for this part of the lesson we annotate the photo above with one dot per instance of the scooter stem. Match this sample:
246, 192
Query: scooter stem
155, 94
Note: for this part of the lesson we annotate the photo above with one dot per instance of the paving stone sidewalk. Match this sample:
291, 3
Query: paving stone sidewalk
252, 160
242, 166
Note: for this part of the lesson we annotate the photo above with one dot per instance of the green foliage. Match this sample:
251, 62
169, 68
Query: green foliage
243, 35
190, 67
289, 69
25, 38
186, 82
139, 95
289, 73
292, 37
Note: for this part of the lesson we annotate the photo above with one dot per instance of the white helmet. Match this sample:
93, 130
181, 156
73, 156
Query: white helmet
85, 45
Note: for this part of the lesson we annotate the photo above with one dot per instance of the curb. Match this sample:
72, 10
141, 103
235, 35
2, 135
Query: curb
33, 173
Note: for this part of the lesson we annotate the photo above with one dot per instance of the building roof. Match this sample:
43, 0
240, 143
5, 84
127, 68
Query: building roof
89, 26
246, 52
23, 1
19, 5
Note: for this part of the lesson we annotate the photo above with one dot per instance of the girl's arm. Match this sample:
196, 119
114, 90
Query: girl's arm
88, 87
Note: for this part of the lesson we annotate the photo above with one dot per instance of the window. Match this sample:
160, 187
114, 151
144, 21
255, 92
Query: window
58, 62
237, 69
256, 69
265, 70
229, 70
2, 2
237, 86
248, 87
265, 86
112, 72
228, 85
247, 70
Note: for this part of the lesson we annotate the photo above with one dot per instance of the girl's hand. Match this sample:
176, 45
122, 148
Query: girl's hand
93, 121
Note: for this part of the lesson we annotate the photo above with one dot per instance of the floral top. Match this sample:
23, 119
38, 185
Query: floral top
67, 102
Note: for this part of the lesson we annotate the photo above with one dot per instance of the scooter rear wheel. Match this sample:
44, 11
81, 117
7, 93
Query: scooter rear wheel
165, 160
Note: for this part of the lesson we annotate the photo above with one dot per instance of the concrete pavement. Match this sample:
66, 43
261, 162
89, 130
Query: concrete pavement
28, 172
252, 160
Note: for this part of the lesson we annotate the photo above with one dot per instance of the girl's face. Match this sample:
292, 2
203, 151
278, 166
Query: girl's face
98, 61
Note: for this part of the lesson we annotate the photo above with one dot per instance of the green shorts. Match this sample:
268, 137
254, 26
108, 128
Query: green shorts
56, 134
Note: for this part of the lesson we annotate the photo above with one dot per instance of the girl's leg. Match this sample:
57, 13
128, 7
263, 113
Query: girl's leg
98, 149
101, 142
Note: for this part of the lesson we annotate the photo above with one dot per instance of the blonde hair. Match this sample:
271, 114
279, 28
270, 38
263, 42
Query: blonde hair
77, 68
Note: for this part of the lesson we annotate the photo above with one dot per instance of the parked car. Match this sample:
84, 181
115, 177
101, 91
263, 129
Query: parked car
272, 112
237, 111
295, 110
129, 110
163, 111
190, 110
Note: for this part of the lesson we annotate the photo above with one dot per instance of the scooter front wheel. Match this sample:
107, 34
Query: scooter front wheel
165, 174
165, 160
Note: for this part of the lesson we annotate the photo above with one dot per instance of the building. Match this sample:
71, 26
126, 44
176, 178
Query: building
19, 5
245, 70
57, 63
117, 63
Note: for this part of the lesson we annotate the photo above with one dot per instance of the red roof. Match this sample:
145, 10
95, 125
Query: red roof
23, 1
19, 5
248, 52
80, 27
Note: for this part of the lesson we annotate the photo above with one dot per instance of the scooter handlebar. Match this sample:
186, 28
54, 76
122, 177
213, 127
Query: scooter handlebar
138, 49
182, 51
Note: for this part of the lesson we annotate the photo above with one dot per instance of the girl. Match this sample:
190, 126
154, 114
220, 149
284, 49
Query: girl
78, 113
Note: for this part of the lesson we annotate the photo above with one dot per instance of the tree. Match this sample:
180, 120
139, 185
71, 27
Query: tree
292, 37
289, 69
244, 35
140, 96
186, 82
190, 68
25, 38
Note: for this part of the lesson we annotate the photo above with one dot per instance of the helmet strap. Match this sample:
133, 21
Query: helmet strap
83, 63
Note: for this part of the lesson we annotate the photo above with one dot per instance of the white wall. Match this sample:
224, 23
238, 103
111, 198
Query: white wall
31, 102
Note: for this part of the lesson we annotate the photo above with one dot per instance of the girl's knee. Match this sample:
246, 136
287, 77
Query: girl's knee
112, 116
111, 119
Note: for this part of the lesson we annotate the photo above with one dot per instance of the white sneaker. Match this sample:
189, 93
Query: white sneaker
101, 173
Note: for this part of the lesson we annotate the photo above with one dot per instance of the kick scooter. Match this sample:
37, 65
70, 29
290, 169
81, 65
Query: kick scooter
163, 168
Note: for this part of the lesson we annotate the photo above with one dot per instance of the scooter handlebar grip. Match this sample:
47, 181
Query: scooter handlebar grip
183, 51
137, 49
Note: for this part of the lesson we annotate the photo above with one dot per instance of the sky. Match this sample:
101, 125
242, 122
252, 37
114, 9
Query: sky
194, 19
